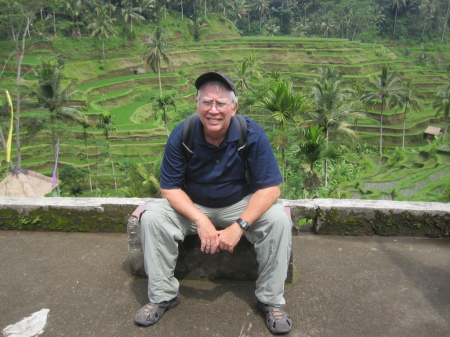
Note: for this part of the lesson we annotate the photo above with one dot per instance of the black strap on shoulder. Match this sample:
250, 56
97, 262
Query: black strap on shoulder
242, 143
188, 140
188, 137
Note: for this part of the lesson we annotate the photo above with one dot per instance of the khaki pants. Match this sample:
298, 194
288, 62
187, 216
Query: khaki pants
162, 227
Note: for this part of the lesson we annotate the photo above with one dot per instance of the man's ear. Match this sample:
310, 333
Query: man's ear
234, 110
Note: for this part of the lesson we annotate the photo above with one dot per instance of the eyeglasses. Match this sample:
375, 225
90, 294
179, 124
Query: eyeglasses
220, 106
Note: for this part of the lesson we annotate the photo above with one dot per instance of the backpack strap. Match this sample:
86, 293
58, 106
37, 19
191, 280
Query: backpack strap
242, 143
188, 132
188, 137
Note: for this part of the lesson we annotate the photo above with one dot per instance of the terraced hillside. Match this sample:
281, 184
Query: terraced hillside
125, 88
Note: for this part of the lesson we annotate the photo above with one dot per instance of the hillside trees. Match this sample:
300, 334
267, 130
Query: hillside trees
74, 9
385, 88
102, 25
155, 51
332, 107
195, 26
408, 100
398, 5
352, 19
54, 97
285, 105
130, 12
160, 107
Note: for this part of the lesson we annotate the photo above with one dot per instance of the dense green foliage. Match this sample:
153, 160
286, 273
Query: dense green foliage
366, 20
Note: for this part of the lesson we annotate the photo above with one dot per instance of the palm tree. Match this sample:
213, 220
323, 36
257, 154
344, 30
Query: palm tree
161, 106
195, 27
54, 97
104, 121
255, 67
261, 6
428, 7
74, 8
85, 125
446, 21
385, 88
442, 104
101, 25
239, 8
398, 5
155, 52
312, 150
130, 12
242, 73
144, 182
271, 29
328, 26
332, 107
409, 100
285, 105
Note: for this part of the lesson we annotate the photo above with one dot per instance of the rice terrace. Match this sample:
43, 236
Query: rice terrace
384, 151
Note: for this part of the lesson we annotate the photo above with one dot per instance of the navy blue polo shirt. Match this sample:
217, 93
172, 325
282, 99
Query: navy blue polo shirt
215, 175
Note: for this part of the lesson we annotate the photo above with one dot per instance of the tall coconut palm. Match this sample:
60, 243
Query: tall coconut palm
161, 106
398, 5
332, 108
53, 96
101, 25
409, 100
446, 21
104, 122
427, 7
130, 12
385, 88
442, 104
239, 8
261, 6
155, 52
85, 125
74, 8
285, 105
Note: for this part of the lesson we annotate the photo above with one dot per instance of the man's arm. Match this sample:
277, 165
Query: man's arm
258, 204
181, 202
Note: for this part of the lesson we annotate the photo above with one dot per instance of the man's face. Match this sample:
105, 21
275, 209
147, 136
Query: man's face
215, 110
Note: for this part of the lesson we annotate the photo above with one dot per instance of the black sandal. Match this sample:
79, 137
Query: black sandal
277, 320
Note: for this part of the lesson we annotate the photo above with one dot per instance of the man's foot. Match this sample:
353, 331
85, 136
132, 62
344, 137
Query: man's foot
151, 313
277, 320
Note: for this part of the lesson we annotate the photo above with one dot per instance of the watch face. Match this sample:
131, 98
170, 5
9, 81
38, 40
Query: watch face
242, 223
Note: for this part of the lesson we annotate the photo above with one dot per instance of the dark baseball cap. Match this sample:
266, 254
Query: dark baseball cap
215, 76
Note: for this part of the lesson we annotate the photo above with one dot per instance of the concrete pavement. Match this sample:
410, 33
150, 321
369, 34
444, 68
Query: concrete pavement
345, 286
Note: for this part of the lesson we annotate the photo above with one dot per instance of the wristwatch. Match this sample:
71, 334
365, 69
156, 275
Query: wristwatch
244, 224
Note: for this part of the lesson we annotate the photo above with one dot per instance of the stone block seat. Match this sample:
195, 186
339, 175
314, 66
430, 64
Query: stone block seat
192, 264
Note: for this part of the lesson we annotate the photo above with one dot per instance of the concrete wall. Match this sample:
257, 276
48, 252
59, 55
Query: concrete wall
328, 216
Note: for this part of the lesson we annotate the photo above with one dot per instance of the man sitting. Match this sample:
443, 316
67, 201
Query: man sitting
211, 191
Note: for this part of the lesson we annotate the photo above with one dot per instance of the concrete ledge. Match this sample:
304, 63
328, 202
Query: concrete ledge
329, 216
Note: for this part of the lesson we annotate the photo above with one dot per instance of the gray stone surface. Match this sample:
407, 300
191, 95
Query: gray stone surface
330, 216
345, 287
